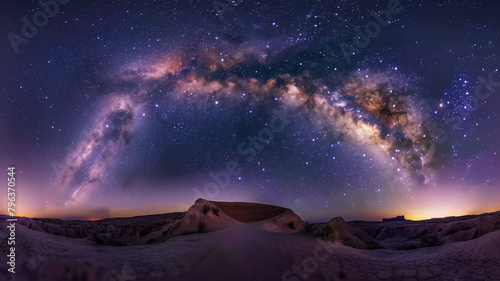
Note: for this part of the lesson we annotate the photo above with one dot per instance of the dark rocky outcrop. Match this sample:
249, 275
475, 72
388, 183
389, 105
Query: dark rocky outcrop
338, 230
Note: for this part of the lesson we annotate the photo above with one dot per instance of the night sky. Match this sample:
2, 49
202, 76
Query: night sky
120, 108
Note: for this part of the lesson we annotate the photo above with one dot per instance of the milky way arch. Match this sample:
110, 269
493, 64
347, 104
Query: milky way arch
372, 110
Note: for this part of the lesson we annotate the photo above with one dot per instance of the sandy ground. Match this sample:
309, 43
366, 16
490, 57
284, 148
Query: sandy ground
245, 252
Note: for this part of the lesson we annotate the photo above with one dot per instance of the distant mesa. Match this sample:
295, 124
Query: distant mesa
398, 218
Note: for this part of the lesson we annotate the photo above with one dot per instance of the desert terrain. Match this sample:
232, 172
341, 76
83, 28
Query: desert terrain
249, 241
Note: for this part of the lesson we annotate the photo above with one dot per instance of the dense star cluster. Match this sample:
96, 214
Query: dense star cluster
126, 108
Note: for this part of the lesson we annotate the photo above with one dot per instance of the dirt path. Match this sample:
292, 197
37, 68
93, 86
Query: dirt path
241, 252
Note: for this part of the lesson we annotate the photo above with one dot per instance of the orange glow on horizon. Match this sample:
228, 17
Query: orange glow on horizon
415, 214
431, 203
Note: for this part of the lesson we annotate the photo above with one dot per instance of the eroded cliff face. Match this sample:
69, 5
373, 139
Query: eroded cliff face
119, 231
202, 216
403, 235
208, 216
